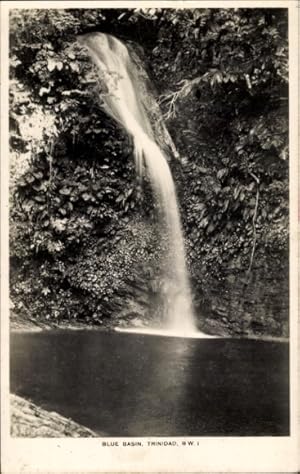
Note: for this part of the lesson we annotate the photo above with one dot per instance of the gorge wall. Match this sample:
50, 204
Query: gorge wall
83, 236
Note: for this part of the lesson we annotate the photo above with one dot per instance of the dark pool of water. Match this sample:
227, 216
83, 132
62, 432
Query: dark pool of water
138, 385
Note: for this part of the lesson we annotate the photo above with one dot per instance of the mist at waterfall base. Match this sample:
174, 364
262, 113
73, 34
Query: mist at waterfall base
122, 100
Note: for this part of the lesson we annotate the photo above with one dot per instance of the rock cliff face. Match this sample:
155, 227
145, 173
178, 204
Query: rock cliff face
238, 254
84, 242
31, 421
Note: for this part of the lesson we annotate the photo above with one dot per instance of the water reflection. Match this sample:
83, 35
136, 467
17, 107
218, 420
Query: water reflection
162, 391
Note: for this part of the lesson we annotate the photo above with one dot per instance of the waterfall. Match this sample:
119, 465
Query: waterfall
123, 101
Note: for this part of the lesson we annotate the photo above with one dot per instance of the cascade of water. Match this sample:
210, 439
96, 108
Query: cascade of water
123, 102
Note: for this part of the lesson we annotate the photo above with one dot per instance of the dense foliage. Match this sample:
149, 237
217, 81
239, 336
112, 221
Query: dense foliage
77, 211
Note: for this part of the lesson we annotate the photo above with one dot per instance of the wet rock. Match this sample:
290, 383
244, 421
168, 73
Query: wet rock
30, 421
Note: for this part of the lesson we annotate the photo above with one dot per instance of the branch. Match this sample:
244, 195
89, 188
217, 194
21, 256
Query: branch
76, 92
185, 87
50, 160
254, 222
139, 13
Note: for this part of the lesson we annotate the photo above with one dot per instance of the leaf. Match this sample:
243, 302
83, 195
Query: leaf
59, 65
59, 224
202, 170
203, 223
29, 179
216, 188
219, 77
199, 206
236, 192
28, 205
86, 196
45, 291
65, 191
225, 206
44, 90
210, 228
51, 64
221, 173
40, 198
119, 198
36, 187
196, 33
38, 175
74, 66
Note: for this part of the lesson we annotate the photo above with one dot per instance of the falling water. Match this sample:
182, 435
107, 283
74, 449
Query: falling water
124, 103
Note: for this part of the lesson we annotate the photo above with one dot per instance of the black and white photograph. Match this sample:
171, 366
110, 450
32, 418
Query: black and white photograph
149, 223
